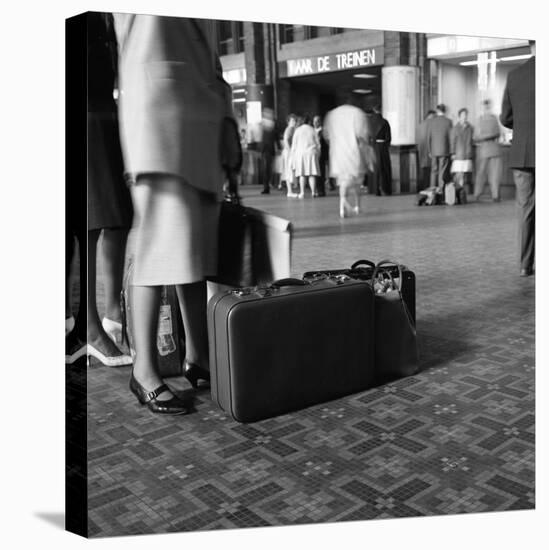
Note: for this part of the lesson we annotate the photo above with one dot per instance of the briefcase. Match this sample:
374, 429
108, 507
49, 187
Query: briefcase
290, 345
363, 270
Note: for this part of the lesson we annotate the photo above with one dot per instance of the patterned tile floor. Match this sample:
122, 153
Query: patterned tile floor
456, 438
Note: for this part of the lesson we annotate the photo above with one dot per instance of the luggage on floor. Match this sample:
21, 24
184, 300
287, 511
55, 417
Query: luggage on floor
450, 195
363, 270
170, 340
396, 351
254, 246
290, 345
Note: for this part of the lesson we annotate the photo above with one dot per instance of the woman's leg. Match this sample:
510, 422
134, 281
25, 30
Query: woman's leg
96, 335
193, 301
114, 248
302, 182
145, 305
69, 256
312, 184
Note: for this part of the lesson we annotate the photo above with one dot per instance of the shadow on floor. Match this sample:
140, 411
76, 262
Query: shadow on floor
57, 519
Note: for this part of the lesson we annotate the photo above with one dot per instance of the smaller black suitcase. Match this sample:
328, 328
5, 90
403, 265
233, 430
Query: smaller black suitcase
363, 270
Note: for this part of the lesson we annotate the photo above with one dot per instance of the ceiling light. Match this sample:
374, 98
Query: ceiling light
361, 91
516, 57
364, 75
497, 60
239, 100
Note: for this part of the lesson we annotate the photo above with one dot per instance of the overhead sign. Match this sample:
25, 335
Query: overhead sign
333, 62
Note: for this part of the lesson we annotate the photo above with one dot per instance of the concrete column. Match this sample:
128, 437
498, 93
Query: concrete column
405, 92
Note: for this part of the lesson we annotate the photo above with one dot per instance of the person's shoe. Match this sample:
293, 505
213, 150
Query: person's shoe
526, 272
497, 199
193, 373
74, 348
113, 330
109, 361
265, 192
173, 406
291, 195
301, 195
356, 210
69, 324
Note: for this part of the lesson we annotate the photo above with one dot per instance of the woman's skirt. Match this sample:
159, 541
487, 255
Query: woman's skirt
306, 164
109, 201
175, 233
462, 166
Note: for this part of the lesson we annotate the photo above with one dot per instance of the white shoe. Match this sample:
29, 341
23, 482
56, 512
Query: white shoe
69, 324
113, 330
301, 195
114, 361
292, 195
356, 210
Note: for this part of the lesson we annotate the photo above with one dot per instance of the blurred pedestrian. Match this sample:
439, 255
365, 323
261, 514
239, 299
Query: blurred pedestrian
488, 153
305, 154
346, 131
268, 149
518, 112
462, 151
323, 157
424, 161
287, 167
438, 146
174, 106
382, 140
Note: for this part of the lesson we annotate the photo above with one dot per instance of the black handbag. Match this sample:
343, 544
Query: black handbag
396, 350
254, 246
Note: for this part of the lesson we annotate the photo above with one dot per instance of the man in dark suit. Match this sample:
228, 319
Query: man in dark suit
438, 146
518, 114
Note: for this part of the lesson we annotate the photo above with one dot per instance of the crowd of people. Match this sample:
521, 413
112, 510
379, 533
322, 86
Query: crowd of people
446, 152
298, 157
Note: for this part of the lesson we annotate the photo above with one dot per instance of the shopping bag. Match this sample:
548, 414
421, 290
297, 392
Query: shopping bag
170, 340
396, 351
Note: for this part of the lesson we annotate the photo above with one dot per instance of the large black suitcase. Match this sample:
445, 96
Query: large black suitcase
363, 270
290, 345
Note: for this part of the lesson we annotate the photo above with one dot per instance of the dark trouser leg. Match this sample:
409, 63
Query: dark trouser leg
434, 172
525, 183
267, 171
443, 171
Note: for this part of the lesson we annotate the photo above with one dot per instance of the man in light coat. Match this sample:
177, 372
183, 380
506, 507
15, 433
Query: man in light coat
486, 136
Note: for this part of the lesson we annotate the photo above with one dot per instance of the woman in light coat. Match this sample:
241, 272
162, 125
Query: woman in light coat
305, 156
173, 102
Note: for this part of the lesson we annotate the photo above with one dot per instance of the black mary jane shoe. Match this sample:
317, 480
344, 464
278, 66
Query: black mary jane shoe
193, 373
171, 406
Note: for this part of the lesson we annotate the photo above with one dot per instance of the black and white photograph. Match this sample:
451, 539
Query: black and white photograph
299, 272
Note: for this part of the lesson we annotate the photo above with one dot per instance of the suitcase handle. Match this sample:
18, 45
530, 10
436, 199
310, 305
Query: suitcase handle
363, 262
289, 282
